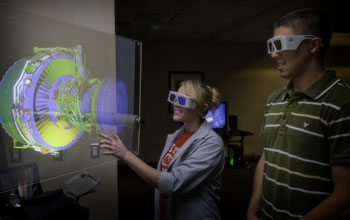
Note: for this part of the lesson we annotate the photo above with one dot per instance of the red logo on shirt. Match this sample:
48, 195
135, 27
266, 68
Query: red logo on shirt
169, 156
174, 149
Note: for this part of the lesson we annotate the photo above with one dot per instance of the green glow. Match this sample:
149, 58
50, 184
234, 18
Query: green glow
232, 161
157, 27
232, 157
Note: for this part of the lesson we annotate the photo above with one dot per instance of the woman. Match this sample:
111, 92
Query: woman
188, 176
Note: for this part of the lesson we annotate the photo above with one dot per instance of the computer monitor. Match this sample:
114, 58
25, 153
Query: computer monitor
217, 118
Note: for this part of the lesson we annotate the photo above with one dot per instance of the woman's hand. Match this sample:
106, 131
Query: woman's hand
113, 146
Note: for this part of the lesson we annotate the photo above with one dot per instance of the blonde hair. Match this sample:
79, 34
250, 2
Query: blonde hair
203, 94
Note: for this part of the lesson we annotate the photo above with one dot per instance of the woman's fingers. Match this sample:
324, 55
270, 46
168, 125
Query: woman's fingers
106, 141
105, 136
115, 136
107, 152
105, 146
102, 135
112, 138
112, 145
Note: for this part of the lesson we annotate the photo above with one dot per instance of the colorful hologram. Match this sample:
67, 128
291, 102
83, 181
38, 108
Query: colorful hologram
49, 100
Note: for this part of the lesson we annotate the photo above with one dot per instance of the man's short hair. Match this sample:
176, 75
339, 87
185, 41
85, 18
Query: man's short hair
308, 21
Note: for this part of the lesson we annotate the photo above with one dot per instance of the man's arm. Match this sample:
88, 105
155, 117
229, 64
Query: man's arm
337, 205
257, 192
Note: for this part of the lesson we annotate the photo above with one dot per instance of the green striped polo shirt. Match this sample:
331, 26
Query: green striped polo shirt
304, 134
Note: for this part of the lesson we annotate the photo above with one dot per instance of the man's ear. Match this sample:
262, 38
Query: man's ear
316, 44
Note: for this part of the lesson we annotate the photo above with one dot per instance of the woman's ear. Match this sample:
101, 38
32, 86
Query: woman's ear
316, 44
205, 108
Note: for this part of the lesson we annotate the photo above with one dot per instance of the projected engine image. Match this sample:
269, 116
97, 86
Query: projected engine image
50, 99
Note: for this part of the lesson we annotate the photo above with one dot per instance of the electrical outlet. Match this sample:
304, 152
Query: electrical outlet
94, 150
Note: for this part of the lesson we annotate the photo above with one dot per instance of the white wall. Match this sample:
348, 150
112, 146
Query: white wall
95, 14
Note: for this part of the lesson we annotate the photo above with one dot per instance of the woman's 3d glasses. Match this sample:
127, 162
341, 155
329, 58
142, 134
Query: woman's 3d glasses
182, 100
289, 42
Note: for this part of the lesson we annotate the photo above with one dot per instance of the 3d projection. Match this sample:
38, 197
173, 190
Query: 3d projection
50, 99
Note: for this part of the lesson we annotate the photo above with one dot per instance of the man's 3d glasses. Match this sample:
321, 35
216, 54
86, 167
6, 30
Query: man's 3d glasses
289, 42
182, 100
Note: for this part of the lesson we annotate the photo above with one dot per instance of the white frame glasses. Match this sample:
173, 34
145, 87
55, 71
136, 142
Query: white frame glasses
288, 42
182, 100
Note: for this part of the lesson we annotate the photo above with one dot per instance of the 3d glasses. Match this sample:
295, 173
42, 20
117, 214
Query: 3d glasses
182, 100
289, 42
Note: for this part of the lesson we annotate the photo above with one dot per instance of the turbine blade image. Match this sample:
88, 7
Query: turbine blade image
49, 100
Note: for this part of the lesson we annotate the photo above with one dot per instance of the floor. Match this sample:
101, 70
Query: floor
136, 197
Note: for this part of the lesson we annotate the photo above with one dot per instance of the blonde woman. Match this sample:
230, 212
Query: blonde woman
188, 176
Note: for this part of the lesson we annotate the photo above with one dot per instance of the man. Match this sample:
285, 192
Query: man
304, 171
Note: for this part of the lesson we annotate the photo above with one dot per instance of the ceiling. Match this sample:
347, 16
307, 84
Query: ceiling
215, 21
